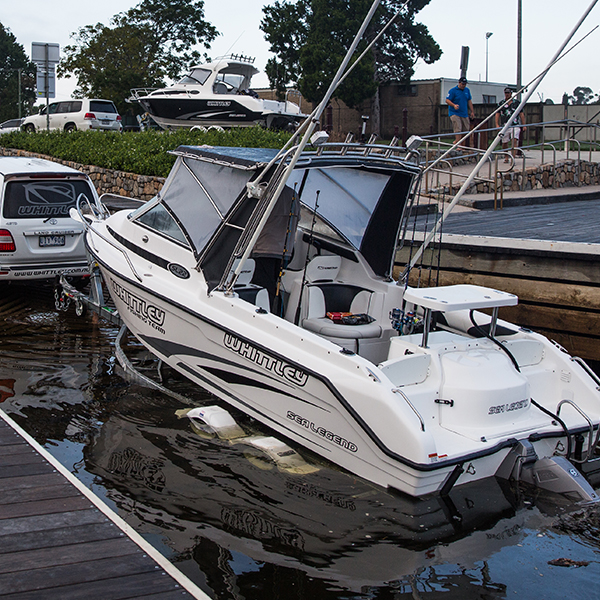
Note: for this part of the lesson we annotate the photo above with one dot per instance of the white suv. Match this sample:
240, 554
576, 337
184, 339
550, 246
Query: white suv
38, 238
69, 115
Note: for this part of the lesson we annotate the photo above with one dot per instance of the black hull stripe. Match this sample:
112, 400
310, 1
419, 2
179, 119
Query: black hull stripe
168, 349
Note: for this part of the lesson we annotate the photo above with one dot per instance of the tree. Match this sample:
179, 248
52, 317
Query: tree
143, 46
15, 70
309, 39
582, 95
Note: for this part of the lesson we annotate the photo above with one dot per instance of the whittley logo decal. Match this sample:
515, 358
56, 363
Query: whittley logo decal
148, 313
275, 365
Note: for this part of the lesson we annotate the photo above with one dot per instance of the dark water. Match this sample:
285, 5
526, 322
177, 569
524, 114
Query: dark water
243, 528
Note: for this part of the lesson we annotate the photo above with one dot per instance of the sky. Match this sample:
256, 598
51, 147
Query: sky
452, 23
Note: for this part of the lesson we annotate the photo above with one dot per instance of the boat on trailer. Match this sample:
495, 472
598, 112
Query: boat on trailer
217, 94
414, 389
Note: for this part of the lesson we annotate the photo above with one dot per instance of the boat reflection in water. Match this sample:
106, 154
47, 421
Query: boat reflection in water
233, 515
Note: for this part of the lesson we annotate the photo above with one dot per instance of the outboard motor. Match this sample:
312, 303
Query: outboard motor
554, 474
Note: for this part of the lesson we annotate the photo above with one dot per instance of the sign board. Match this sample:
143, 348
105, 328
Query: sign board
41, 82
41, 52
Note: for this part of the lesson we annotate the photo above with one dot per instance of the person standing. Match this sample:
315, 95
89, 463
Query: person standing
460, 108
503, 116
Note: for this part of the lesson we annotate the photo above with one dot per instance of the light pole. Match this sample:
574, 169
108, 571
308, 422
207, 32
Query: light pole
488, 35
519, 42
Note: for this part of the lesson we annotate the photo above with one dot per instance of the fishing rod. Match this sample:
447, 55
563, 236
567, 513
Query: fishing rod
310, 117
290, 231
310, 127
429, 237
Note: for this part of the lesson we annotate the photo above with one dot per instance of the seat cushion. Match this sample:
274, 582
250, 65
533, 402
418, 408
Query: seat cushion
326, 327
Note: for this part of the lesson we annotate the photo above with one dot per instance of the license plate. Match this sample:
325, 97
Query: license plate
52, 240
105, 122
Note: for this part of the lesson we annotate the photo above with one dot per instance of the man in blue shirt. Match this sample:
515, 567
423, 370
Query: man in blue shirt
460, 108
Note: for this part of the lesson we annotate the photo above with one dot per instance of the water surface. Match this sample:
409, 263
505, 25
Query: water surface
242, 528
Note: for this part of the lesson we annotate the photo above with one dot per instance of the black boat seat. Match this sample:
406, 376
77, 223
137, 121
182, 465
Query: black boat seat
324, 294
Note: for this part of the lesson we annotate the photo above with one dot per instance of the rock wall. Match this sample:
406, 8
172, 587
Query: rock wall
566, 174
106, 181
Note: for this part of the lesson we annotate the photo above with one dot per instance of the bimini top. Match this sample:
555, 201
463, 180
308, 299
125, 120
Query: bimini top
242, 157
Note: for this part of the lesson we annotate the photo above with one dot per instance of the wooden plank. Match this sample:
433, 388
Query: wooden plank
548, 266
60, 541
533, 315
23, 470
21, 448
8, 436
553, 319
157, 586
581, 298
61, 536
22, 458
44, 507
63, 575
72, 554
26, 481
30, 494
40, 523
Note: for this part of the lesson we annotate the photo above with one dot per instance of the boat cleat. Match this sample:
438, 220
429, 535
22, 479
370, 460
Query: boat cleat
555, 474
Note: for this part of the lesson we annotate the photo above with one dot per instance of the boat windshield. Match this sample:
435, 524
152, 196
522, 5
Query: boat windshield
197, 76
357, 203
200, 194
345, 197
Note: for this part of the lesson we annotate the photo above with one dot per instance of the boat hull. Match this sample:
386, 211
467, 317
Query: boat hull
313, 408
185, 112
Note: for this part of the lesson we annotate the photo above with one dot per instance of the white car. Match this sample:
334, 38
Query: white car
10, 126
38, 238
69, 115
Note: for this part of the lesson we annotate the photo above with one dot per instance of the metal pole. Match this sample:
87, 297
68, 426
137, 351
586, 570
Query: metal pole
519, 41
47, 86
313, 121
488, 35
20, 102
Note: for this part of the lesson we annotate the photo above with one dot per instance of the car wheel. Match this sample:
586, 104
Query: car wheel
69, 127
30, 128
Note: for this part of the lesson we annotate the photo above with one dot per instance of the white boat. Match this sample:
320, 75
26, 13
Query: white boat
216, 94
425, 393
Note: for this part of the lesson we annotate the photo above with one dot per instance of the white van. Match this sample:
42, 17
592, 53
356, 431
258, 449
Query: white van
38, 238
69, 115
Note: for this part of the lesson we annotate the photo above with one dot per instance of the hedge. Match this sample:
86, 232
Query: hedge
144, 153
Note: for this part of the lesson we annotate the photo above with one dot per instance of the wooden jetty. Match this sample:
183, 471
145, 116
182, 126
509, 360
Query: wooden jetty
546, 254
58, 540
